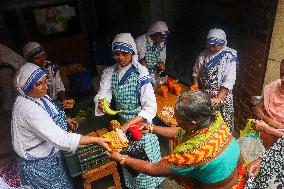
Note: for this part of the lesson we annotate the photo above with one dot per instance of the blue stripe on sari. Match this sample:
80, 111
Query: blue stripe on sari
144, 80
47, 108
120, 46
33, 79
31, 148
215, 41
127, 74
216, 60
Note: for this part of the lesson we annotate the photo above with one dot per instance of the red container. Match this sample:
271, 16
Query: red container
135, 131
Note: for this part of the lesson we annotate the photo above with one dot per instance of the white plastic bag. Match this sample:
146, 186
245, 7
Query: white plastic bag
251, 147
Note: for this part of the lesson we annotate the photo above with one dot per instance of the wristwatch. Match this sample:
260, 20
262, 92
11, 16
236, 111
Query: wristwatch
122, 160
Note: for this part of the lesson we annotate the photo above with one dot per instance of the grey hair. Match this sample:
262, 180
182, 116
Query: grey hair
196, 106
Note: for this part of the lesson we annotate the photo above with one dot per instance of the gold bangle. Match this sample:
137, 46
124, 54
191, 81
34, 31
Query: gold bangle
269, 122
151, 128
261, 116
122, 160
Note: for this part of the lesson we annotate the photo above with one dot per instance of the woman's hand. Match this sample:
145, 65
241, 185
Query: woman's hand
145, 127
72, 123
116, 156
215, 101
137, 119
264, 127
161, 65
144, 63
103, 142
275, 124
261, 125
253, 168
100, 105
125, 127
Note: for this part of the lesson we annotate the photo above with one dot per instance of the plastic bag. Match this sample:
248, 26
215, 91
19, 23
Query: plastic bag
248, 129
250, 144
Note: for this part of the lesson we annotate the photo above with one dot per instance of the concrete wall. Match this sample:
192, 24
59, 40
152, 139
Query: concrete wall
276, 52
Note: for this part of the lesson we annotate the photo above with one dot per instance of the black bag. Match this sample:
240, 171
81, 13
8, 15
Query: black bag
135, 150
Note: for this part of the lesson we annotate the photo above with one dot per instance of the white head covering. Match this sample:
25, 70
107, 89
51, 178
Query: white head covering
217, 36
8, 56
158, 27
125, 42
32, 49
27, 76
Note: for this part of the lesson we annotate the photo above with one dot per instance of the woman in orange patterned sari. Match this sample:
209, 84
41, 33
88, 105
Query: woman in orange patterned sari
207, 155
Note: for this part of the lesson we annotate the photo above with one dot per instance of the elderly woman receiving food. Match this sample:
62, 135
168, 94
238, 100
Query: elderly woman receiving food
207, 155
39, 131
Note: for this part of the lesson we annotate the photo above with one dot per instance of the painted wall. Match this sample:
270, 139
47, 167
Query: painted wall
276, 52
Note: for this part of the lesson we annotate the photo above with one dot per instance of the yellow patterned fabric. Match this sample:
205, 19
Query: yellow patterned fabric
203, 147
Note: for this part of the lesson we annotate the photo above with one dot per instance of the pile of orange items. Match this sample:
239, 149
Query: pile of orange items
113, 125
116, 143
171, 86
118, 140
194, 88
101, 132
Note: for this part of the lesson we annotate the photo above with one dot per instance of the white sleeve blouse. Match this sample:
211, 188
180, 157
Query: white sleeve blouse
226, 67
33, 127
147, 98
55, 80
141, 43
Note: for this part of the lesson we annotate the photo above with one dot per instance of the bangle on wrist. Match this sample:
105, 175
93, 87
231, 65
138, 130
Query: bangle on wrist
122, 160
270, 123
261, 116
151, 128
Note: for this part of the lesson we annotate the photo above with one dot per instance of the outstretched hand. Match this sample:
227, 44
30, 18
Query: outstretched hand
114, 155
145, 127
72, 123
124, 128
253, 168
144, 63
161, 65
216, 101
103, 142
100, 105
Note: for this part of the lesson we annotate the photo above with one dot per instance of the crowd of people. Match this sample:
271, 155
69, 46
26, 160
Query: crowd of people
207, 154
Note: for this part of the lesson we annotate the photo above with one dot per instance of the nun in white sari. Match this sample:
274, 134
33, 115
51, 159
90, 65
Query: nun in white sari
151, 47
39, 131
129, 84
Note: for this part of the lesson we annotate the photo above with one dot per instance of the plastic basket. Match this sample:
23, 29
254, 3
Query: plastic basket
79, 81
85, 159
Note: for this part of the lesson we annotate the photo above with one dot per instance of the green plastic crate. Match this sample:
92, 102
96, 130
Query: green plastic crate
85, 159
